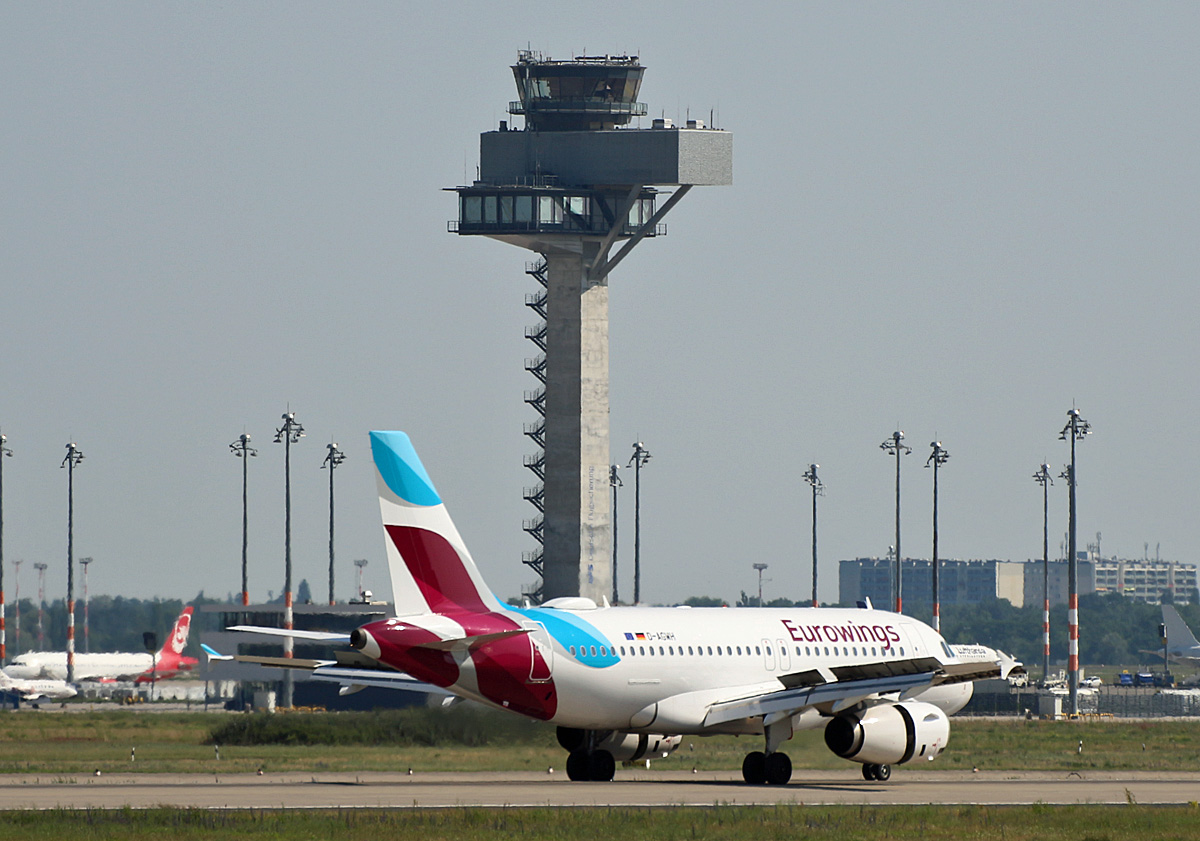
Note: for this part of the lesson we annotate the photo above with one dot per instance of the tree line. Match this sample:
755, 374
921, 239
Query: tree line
1113, 630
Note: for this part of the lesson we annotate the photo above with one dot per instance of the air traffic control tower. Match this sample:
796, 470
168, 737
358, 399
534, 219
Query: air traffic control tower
582, 188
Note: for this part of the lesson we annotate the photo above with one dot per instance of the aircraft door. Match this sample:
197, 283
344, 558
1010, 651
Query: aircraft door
914, 639
541, 660
768, 650
785, 656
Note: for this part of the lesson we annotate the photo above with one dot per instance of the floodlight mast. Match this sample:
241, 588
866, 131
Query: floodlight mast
334, 458
87, 639
1042, 477
361, 563
640, 456
818, 489
41, 567
760, 568
1075, 430
938, 457
288, 434
615, 482
893, 447
4, 452
242, 449
17, 604
70, 461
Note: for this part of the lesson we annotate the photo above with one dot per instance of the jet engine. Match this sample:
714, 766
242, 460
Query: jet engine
889, 734
624, 747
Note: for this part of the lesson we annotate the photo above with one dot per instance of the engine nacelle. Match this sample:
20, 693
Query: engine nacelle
624, 747
890, 734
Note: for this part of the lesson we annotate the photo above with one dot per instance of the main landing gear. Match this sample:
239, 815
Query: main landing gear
770, 768
586, 761
872, 771
597, 766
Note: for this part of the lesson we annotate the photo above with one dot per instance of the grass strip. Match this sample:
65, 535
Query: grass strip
836, 823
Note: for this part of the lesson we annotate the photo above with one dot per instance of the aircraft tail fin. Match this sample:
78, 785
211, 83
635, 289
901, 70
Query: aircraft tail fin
1179, 635
430, 568
177, 641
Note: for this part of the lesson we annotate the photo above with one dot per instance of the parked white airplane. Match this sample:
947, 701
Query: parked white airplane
121, 665
32, 690
1182, 645
622, 682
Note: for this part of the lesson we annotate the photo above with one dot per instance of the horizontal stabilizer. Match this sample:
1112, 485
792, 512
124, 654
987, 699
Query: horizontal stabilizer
383, 678
283, 662
468, 642
315, 636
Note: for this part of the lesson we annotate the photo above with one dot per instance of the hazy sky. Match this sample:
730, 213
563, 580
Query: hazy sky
958, 218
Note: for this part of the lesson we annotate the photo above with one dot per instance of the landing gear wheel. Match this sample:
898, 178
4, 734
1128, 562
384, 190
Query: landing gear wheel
754, 768
778, 768
578, 766
868, 771
883, 773
602, 766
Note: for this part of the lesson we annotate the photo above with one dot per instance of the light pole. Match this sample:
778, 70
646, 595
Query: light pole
360, 563
87, 640
640, 456
760, 568
242, 449
893, 447
615, 482
332, 460
70, 461
288, 434
1042, 477
41, 571
4, 451
17, 604
1074, 431
818, 489
938, 457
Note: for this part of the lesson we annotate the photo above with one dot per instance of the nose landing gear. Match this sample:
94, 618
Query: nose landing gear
880, 773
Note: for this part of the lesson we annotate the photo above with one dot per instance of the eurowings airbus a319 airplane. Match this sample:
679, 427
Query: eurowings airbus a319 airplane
623, 683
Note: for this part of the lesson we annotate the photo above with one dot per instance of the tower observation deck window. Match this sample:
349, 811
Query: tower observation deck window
524, 209
513, 209
472, 209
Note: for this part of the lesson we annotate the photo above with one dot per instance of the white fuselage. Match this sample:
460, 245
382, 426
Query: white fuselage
121, 665
661, 669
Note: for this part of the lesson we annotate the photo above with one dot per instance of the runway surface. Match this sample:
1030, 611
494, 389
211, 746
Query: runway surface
631, 788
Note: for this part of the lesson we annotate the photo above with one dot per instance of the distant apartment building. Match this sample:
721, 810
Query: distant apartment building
1020, 582
959, 582
1035, 580
1147, 580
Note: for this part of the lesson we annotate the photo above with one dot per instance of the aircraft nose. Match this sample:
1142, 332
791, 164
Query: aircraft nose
362, 640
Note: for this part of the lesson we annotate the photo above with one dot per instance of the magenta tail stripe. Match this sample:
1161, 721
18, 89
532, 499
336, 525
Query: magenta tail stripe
438, 570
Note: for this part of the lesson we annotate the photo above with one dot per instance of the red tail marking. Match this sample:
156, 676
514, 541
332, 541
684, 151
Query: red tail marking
438, 570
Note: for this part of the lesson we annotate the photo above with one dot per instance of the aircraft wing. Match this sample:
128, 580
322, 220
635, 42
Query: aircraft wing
839, 694
845, 686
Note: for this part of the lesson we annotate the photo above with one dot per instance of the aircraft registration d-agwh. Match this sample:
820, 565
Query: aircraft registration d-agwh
623, 683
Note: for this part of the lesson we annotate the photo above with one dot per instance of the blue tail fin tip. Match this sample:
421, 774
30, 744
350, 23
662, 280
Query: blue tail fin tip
401, 468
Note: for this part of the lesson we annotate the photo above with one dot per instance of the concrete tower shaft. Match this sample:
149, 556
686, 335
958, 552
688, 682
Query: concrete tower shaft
571, 186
